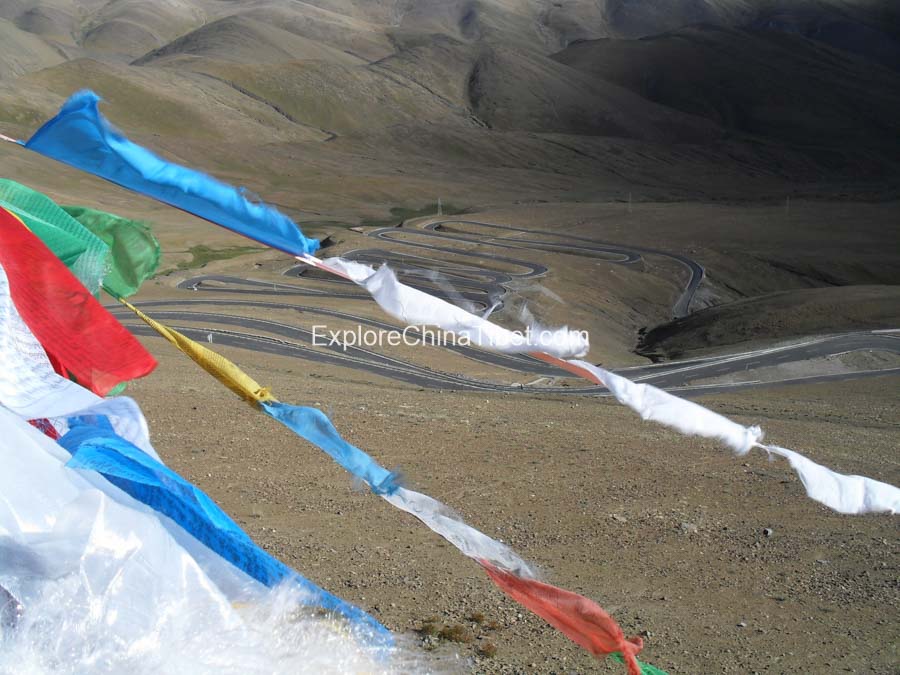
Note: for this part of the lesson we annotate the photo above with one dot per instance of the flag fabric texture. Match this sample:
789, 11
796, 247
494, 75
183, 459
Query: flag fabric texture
29, 386
579, 618
102, 581
54, 307
101, 249
81, 137
85, 254
83, 338
110, 438
133, 250
851, 495
416, 308
95, 446
216, 365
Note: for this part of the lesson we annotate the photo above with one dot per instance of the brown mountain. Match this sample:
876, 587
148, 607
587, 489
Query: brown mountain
540, 99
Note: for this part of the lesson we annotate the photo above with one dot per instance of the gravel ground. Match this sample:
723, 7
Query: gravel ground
721, 563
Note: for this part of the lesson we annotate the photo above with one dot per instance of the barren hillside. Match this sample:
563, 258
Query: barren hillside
447, 90
605, 164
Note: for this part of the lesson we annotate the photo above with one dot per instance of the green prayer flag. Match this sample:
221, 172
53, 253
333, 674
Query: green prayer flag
101, 249
81, 251
135, 251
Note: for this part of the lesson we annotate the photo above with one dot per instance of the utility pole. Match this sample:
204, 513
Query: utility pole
440, 208
629, 201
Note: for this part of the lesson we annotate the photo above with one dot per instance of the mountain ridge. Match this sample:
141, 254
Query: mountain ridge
469, 87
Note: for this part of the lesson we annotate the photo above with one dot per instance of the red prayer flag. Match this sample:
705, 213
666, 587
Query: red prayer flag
73, 327
581, 620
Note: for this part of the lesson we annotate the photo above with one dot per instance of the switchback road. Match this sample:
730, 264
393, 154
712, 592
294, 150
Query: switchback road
477, 280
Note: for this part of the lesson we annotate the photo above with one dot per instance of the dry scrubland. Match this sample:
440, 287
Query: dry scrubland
761, 142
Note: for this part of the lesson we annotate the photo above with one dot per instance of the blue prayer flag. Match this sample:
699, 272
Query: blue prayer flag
81, 137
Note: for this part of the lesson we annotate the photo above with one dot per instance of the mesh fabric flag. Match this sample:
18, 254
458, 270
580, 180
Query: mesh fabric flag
82, 337
81, 137
134, 250
100, 248
80, 250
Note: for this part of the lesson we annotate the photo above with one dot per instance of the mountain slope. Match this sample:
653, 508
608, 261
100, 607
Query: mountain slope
782, 87
23, 52
469, 96
777, 316
241, 39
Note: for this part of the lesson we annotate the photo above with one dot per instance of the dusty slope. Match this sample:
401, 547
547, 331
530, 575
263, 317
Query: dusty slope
869, 27
170, 104
514, 93
52, 20
788, 314
243, 39
667, 533
24, 52
129, 28
348, 31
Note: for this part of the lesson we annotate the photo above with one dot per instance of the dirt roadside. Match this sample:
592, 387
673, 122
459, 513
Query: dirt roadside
720, 562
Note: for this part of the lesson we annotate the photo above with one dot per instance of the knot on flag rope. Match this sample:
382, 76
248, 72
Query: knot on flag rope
630, 648
263, 394
388, 486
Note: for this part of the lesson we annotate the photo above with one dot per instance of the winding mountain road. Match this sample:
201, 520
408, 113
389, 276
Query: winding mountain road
477, 288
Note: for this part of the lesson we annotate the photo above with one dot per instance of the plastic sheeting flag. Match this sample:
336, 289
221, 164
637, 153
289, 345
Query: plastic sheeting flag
111, 437
81, 137
104, 582
96, 447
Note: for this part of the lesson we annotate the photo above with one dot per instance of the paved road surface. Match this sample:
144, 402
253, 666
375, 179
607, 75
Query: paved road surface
472, 285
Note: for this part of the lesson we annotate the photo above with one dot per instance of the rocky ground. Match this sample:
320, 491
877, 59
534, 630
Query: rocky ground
720, 562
